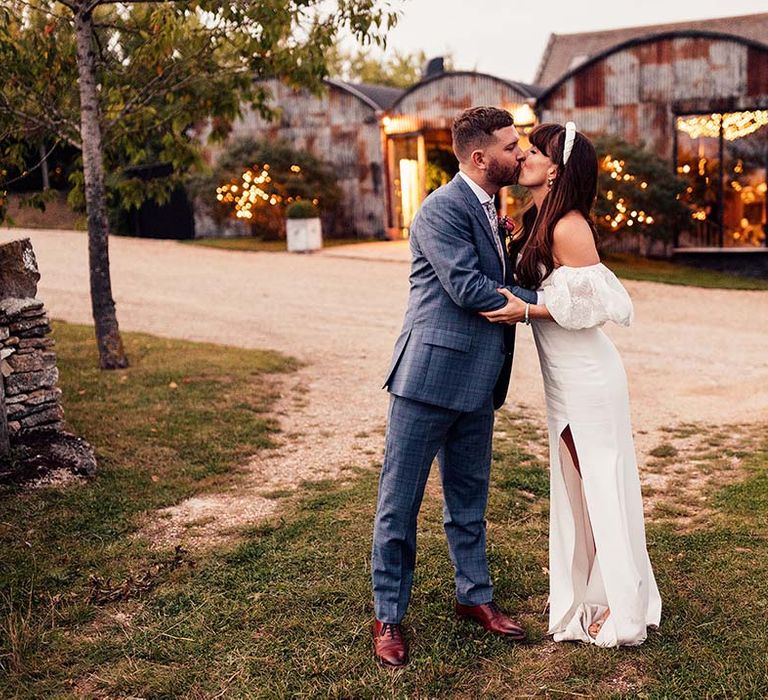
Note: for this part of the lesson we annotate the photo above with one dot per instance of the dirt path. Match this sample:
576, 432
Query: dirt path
692, 355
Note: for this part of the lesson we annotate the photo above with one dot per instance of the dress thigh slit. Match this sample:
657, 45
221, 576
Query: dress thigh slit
584, 546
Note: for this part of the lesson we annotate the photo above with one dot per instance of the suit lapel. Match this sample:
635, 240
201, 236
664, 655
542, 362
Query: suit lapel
477, 209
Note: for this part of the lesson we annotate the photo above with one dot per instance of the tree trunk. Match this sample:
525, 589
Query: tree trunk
111, 352
44, 168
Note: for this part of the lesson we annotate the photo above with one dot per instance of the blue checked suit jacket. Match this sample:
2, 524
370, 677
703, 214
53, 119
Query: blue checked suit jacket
447, 354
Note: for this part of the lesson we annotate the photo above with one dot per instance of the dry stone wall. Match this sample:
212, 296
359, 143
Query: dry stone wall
33, 441
27, 358
28, 366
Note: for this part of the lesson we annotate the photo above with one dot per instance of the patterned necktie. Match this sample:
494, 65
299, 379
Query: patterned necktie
493, 220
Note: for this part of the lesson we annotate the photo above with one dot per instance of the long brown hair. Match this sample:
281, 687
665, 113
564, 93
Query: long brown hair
574, 188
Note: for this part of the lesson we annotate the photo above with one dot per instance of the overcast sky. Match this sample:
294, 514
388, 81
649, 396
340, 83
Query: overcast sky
507, 38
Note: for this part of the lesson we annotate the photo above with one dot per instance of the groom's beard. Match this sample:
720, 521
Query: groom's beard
502, 175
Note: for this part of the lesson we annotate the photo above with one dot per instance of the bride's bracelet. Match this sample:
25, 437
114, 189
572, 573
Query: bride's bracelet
527, 319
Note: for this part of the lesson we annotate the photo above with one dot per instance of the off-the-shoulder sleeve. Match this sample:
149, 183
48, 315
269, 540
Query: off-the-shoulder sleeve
585, 297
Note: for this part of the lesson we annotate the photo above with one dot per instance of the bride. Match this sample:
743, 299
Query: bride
602, 588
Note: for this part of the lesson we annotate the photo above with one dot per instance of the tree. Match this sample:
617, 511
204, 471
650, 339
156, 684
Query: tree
123, 83
400, 69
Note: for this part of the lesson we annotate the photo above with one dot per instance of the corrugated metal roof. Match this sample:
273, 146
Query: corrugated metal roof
660, 40
523, 89
565, 51
377, 96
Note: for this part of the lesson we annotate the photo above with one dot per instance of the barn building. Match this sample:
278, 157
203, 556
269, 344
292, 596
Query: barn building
695, 92
696, 95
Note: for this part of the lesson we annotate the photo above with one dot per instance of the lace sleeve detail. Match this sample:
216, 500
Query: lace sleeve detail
585, 297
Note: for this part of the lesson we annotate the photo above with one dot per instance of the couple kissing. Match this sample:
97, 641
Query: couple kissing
451, 369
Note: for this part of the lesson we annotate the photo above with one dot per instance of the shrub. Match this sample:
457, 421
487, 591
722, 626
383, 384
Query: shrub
303, 209
637, 192
255, 181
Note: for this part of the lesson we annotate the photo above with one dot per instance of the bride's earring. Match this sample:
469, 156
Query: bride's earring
550, 181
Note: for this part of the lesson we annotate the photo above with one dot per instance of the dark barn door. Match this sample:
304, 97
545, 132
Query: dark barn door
174, 219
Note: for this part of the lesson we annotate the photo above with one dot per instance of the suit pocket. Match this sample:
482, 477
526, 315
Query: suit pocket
446, 339
397, 355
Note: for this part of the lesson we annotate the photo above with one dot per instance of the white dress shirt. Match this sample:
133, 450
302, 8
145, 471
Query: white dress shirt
480, 193
484, 197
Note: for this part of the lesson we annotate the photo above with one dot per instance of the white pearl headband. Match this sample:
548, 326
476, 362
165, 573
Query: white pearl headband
570, 137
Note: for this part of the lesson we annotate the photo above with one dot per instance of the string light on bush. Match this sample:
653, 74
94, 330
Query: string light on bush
256, 189
622, 215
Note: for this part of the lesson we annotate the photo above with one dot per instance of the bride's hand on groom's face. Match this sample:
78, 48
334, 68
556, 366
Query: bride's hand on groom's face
512, 312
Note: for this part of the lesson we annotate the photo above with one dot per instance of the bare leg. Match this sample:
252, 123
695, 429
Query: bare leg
567, 437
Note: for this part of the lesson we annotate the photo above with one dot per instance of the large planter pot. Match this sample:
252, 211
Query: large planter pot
303, 235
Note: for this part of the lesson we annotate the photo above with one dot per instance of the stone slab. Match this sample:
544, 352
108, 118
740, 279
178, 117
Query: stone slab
55, 413
19, 273
15, 306
24, 382
32, 362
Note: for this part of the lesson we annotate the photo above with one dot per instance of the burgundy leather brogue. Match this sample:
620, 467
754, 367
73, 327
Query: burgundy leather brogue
389, 644
492, 619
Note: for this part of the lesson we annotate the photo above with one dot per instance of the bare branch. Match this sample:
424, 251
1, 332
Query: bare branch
117, 27
32, 169
46, 11
44, 122
95, 3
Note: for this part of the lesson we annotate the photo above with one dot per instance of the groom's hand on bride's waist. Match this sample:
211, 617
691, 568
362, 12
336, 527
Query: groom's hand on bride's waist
512, 312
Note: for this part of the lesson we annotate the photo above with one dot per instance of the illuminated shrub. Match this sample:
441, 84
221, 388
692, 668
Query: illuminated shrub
255, 181
638, 193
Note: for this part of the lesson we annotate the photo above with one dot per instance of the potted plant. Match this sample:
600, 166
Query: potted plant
302, 227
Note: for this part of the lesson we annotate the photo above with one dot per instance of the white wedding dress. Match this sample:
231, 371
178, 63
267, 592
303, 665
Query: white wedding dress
597, 550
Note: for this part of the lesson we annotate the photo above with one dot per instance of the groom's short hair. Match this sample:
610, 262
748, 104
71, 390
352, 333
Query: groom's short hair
474, 128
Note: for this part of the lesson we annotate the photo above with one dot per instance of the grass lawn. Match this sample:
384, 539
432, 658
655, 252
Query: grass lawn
175, 424
257, 245
89, 611
634, 267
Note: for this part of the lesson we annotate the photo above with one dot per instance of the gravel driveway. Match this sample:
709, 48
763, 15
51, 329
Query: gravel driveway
692, 355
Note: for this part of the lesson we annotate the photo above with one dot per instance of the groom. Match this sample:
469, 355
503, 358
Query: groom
450, 370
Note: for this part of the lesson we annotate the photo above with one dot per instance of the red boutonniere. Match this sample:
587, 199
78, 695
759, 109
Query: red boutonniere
507, 225
508, 230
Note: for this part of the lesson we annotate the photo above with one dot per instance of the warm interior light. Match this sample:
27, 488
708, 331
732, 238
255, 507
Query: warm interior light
735, 125
523, 115
409, 189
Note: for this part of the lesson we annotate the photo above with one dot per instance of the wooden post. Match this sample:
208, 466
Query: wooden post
674, 166
421, 157
721, 185
765, 202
